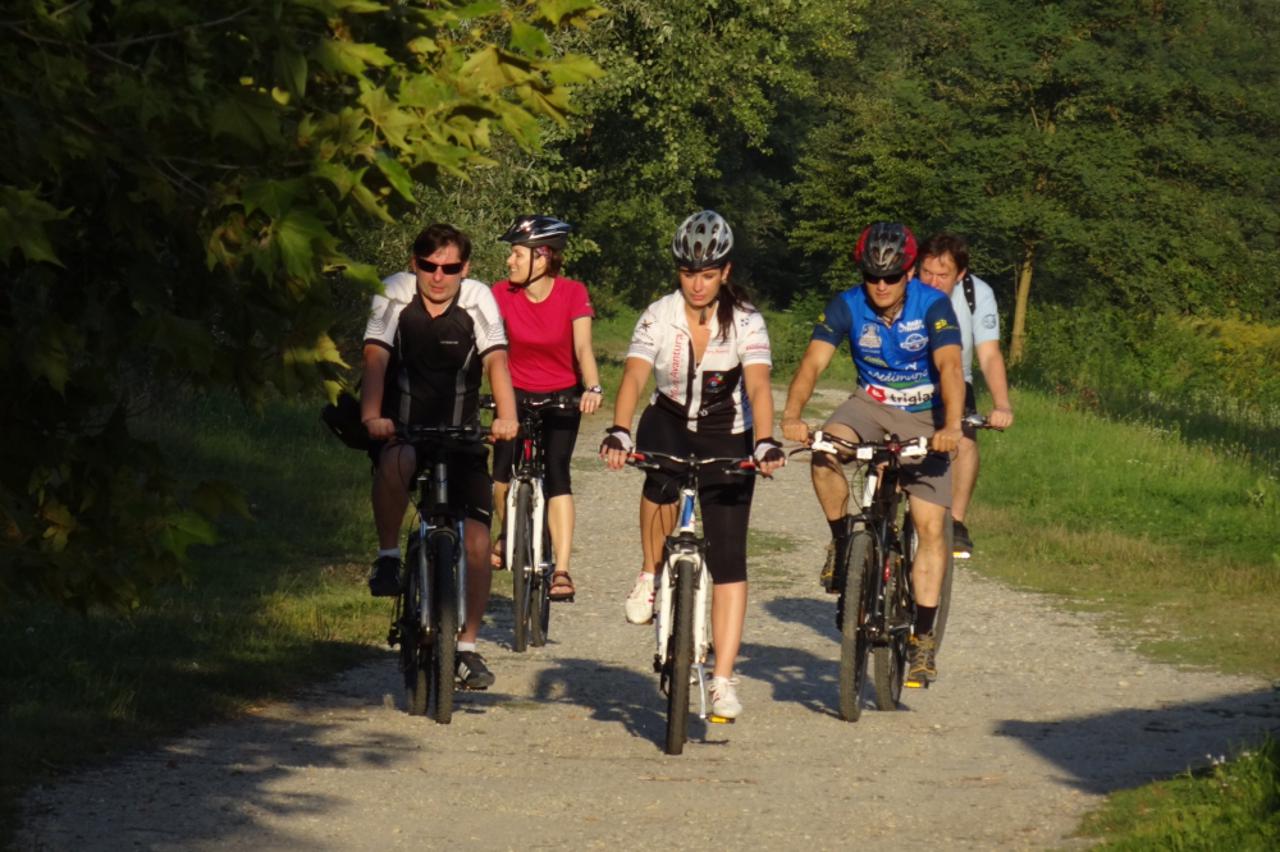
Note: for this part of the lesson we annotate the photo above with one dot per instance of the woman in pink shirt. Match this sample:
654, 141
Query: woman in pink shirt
548, 322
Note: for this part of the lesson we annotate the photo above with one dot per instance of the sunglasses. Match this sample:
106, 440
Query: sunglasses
884, 279
447, 268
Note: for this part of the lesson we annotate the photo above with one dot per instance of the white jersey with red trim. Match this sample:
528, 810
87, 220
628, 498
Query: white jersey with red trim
711, 394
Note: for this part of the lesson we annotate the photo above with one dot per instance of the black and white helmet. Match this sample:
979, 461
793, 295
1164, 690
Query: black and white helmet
702, 241
536, 231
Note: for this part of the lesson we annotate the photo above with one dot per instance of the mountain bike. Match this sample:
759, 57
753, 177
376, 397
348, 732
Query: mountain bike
876, 608
682, 592
527, 539
431, 606
973, 421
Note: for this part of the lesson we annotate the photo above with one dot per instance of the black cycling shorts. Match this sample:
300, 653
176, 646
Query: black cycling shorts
725, 499
470, 486
559, 435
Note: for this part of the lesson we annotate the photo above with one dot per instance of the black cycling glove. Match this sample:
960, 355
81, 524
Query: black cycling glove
769, 450
617, 438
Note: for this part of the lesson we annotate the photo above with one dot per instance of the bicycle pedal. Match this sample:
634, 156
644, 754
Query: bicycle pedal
921, 685
720, 720
962, 554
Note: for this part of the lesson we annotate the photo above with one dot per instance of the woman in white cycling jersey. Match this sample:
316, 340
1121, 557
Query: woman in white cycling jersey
708, 351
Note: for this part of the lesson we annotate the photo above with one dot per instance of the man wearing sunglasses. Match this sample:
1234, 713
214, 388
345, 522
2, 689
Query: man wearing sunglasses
432, 336
905, 343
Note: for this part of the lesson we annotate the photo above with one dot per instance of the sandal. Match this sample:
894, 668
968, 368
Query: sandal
498, 554
561, 587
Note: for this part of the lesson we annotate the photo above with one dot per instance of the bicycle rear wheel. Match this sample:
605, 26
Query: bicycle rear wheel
444, 649
680, 659
855, 606
522, 568
413, 656
540, 592
889, 659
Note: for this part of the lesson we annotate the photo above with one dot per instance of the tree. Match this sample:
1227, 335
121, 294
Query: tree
1119, 150
179, 184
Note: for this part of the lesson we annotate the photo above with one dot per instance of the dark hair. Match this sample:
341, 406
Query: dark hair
731, 296
437, 236
554, 256
945, 243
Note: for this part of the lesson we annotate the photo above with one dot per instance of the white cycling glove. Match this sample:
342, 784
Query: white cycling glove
617, 438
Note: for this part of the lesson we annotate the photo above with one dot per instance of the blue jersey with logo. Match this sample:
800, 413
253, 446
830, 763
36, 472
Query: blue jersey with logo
894, 361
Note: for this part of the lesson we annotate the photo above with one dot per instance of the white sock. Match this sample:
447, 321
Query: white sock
389, 551
466, 646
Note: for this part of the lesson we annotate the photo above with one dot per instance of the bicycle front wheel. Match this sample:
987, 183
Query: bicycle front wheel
413, 655
444, 649
856, 605
680, 660
522, 568
540, 592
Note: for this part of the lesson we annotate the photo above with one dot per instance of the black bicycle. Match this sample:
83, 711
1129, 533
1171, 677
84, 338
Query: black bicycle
682, 594
527, 538
876, 607
431, 606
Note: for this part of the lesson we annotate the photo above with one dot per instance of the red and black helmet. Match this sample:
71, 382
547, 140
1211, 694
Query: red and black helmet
885, 248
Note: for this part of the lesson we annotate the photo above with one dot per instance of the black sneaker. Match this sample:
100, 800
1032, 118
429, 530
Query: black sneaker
384, 577
472, 672
961, 544
921, 670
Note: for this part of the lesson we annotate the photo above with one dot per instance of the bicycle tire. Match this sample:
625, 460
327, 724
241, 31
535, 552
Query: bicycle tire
680, 660
444, 650
540, 592
944, 597
412, 655
889, 659
854, 606
522, 567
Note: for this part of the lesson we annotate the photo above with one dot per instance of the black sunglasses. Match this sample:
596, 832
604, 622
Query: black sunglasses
884, 279
447, 268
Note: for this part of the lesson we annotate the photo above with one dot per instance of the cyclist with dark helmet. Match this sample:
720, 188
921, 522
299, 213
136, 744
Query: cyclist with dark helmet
905, 343
707, 349
548, 323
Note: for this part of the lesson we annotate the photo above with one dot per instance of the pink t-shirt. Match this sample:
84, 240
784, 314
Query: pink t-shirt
540, 334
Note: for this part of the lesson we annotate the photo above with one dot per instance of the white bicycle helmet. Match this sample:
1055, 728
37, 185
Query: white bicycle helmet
702, 241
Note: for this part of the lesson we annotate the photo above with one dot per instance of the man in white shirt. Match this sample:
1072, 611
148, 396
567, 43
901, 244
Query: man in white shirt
944, 264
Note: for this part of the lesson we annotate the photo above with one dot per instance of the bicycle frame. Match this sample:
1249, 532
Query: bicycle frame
435, 521
684, 544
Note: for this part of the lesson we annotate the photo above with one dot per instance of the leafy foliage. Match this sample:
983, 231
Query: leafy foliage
178, 184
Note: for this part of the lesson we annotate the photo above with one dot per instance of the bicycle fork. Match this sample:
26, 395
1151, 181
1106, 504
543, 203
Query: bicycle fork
684, 546
539, 504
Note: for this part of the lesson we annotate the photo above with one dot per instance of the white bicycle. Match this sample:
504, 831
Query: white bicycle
682, 595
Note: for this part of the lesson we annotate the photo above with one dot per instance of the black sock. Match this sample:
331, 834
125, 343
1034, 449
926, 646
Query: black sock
839, 527
924, 619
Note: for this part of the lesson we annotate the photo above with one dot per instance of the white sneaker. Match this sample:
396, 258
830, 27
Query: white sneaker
640, 600
724, 698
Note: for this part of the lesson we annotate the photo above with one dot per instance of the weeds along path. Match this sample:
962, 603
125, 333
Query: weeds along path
1037, 715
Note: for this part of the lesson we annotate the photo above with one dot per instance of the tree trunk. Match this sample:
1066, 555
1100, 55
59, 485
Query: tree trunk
1018, 344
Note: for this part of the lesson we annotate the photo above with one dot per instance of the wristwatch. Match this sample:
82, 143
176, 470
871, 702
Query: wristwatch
594, 389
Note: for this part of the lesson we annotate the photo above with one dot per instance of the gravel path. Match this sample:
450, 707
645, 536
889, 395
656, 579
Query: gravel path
1037, 715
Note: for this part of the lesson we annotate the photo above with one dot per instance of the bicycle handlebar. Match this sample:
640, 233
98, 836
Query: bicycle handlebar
821, 442
977, 421
459, 436
654, 460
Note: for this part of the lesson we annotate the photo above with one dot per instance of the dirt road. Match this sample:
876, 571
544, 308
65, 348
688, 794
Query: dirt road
1036, 716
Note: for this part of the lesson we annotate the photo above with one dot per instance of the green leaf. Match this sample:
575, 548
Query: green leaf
479, 9
396, 175
349, 57
272, 197
529, 39
295, 233
291, 69
23, 216
556, 10
180, 530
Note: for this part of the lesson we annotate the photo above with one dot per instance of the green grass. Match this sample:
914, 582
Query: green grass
1230, 805
278, 604
1179, 543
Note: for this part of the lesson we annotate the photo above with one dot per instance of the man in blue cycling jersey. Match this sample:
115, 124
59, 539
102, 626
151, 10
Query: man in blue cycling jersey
905, 343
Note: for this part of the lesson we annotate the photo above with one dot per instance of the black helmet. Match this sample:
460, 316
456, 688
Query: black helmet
885, 248
535, 231
702, 241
